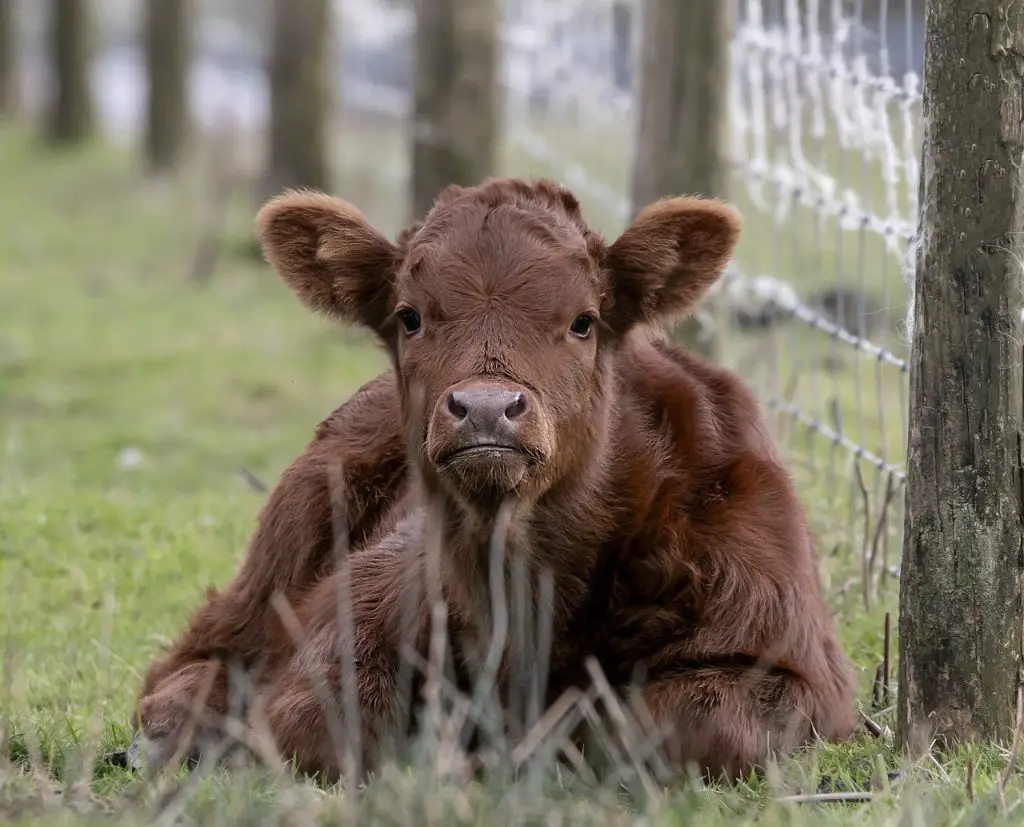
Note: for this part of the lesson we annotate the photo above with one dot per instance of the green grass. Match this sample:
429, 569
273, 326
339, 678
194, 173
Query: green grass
107, 352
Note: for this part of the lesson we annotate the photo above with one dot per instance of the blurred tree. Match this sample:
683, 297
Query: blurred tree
682, 110
456, 116
622, 40
960, 638
300, 95
168, 44
70, 114
8, 60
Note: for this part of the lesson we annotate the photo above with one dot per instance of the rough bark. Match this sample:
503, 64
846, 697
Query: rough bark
960, 589
300, 96
70, 115
455, 109
682, 109
8, 60
167, 38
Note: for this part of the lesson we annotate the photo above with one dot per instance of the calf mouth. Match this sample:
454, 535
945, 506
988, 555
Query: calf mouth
486, 468
482, 451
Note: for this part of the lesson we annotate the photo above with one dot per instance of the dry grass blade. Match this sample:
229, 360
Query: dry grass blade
298, 637
541, 730
523, 652
579, 763
886, 656
880, 526
596, 728
437, 646
485, 683
339, 510
827, 798
349, 679
1011, 762
865, 554
876, 687
880, 685
877, 730
256, 735
352, 744
626, 726
544, 632
449, 692
450, 758
441, 734
433, 668
653, 734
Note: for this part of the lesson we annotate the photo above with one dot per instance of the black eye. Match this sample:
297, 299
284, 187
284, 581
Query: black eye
410, 320
581, 326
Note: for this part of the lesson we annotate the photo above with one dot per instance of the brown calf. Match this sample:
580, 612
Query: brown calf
530, 380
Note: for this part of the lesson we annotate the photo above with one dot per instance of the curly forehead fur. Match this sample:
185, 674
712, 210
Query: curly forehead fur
544, 210
522, 243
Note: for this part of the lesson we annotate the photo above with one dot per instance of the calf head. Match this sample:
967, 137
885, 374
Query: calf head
501, 313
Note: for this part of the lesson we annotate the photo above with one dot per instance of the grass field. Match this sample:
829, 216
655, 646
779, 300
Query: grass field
130, 401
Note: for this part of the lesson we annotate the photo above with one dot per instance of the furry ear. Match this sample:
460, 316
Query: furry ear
666, 260
325, 250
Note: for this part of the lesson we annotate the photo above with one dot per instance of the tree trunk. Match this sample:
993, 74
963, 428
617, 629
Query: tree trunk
8, 60
167, 37
300, 96
70, 116
682, 107
455, 109
960, 588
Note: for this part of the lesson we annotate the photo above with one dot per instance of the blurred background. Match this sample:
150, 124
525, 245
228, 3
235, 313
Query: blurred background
155, 378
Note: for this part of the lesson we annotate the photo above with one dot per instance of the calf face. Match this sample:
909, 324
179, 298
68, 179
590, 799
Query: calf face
500, 314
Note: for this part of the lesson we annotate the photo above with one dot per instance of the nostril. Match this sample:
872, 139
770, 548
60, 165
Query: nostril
456, 406
517, 407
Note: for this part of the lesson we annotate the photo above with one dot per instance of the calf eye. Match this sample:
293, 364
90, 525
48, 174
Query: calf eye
410, 319
581, 326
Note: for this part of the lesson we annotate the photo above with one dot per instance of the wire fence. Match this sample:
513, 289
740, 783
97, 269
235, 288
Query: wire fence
826, 142
826, 151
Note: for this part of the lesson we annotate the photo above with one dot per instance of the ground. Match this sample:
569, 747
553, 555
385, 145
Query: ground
139, 410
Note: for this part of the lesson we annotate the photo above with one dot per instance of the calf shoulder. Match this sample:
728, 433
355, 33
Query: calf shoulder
717, 565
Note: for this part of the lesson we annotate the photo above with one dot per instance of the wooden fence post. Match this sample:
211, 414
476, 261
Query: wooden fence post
960, 586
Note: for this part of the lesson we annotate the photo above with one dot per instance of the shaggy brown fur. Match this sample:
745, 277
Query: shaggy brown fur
529, 378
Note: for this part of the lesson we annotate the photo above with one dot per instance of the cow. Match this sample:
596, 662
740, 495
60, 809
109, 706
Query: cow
533, 393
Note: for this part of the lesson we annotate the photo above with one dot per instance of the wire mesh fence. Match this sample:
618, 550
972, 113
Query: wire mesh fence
826, 109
